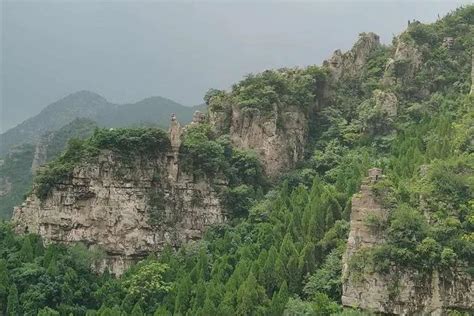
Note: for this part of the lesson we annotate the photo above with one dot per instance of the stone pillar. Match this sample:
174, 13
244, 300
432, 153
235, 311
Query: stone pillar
175, 132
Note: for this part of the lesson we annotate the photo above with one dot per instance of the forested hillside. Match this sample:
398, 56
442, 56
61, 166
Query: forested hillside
281, 250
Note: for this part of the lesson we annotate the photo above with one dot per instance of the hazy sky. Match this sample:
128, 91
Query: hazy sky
129, 50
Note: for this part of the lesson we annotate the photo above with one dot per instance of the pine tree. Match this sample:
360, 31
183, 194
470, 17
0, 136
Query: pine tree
26, 251
4, 285
162, 311
209, 308
279, 300
183, 295
137, 310
250, 296
13, 306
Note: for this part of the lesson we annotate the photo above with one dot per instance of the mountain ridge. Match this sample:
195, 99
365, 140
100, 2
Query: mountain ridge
91, 105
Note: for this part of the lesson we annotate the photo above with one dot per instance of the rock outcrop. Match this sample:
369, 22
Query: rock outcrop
127, 209
278, 137
406, 61
349, 64
401, 291
386, 101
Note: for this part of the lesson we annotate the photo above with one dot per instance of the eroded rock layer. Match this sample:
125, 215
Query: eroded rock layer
127, 209
401, 291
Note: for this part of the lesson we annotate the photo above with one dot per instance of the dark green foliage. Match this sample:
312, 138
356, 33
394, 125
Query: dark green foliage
202, 154
283, 87
13, 307
78, 129
282, 251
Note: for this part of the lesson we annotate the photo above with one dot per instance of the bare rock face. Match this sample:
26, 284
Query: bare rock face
401, 291
349, 64
386, 101
278, 137
406, 61
128, 210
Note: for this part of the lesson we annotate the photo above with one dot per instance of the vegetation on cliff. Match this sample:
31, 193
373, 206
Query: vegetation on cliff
284, 256
125, 143
203, 154
286, 86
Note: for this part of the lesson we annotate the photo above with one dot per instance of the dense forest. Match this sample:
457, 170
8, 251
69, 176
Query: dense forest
281, 251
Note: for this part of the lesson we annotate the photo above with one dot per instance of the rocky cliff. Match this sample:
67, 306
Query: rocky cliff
127, 209
349, 64
278, 137
400, 291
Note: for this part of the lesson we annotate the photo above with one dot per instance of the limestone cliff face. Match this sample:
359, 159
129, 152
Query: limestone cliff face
127, 209
404, 64
278, 136
402, 291
349, 64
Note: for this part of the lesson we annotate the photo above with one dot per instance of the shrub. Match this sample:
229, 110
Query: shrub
124, 143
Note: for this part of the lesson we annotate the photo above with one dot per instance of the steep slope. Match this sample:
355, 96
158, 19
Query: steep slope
130, 192
20, 164
323, 239
80, 104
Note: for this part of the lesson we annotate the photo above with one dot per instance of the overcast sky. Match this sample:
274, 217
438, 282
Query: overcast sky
129, 50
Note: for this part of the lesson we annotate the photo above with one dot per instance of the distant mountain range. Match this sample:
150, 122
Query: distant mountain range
85, 104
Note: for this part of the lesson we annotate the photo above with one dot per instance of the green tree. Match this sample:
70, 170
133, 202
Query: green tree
137, 310
13, 306
250, 297
26, 251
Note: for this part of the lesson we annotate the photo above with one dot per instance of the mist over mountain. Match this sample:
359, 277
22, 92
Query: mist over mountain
87, 104
128, 50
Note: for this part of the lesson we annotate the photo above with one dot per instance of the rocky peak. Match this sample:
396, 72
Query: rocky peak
406, 61
277, 136
349, 64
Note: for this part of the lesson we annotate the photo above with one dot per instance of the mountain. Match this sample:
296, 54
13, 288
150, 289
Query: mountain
22, 161
153, 110
86, 104
341, 189
80, 104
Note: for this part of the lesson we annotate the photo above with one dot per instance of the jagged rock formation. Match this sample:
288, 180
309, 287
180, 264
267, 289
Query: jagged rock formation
349, 64
386, 101
278, 137
404, 64
402, 291
128, 210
